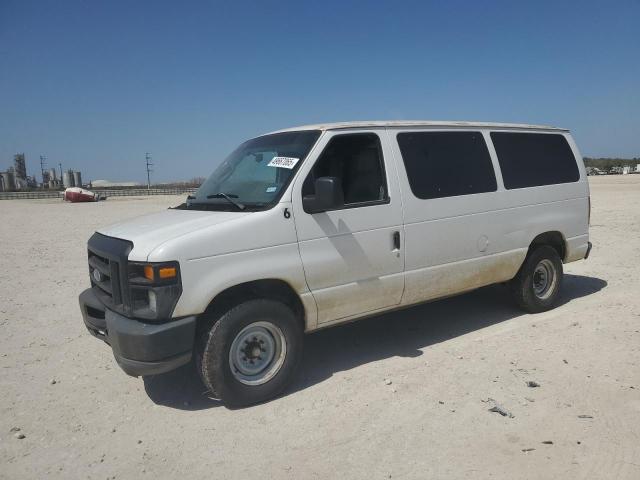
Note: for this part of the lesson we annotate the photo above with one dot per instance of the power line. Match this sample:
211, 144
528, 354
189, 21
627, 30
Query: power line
147, 157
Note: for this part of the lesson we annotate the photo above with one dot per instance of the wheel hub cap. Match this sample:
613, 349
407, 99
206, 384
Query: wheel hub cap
257, 353
544, 279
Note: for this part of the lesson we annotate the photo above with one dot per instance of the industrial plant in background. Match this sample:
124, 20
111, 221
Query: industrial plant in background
71, 179
15, 178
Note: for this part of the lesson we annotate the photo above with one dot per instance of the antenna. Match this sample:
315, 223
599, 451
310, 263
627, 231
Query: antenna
147, 157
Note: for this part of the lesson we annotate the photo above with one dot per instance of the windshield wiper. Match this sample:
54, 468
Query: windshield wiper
228, 198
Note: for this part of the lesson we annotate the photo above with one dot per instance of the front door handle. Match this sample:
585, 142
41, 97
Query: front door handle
396, 240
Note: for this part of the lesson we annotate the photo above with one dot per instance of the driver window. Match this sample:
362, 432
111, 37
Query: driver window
356, 159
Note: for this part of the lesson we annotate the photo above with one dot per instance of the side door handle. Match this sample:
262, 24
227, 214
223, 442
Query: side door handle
396, 240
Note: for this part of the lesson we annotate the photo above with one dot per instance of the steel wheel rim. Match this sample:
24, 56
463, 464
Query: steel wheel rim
544, 279
257, 353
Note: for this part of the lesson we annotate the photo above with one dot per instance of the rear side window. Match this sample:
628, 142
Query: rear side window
534, 159
446, 164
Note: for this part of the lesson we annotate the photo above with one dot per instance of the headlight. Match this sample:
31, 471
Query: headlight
153, 304
154, 289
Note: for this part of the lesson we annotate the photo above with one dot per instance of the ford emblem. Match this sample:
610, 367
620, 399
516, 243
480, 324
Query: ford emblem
97, 276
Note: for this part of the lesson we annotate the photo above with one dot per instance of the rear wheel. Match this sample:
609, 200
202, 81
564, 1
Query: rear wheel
250, 353
536, 287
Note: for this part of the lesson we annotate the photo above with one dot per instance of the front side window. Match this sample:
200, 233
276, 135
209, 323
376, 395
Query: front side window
355, 159
255, 174
446, 164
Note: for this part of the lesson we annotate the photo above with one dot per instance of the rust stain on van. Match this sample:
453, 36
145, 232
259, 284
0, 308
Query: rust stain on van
433, 282
358, 297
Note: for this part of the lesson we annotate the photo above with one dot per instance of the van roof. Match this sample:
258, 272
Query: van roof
419, 123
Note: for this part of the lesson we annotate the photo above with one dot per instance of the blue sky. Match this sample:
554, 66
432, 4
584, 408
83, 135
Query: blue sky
96, 84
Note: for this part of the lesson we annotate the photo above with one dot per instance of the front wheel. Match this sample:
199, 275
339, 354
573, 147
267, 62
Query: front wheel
251, 352
536, 287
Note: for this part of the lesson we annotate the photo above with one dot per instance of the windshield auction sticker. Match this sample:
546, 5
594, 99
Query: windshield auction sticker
283, 162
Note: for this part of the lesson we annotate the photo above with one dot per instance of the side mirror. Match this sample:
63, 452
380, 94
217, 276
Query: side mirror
328, 196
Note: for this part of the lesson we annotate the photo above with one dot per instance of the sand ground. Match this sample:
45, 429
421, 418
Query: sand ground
340, 419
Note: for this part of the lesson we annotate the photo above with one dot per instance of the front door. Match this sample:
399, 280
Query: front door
353, 257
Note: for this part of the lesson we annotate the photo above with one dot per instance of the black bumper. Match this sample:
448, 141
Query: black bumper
139, 348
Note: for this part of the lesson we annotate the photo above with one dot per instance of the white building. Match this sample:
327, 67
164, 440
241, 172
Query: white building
107, 184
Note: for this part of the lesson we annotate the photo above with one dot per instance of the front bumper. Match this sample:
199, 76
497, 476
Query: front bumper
139, 348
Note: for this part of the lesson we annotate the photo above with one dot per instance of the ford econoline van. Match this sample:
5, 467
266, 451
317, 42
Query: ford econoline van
314, 226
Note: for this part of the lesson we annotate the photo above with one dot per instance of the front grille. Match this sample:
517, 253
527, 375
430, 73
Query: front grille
107, 270
108, 256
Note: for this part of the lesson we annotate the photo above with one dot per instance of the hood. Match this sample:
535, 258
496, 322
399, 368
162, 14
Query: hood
149, 231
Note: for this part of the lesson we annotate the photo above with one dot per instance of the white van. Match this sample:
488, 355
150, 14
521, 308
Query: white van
319, 225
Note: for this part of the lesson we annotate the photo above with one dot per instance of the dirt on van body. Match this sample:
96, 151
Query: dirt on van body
413, 394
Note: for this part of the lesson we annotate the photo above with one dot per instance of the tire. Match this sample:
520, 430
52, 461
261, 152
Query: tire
537, 285
250, 353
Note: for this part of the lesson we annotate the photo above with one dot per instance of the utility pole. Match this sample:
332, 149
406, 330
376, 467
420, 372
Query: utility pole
42, 164
147, 157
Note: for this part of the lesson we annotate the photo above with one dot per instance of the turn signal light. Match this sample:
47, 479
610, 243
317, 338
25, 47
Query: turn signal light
166, 272
155, 272
148, 272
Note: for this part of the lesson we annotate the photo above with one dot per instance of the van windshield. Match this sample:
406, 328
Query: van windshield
255, 174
